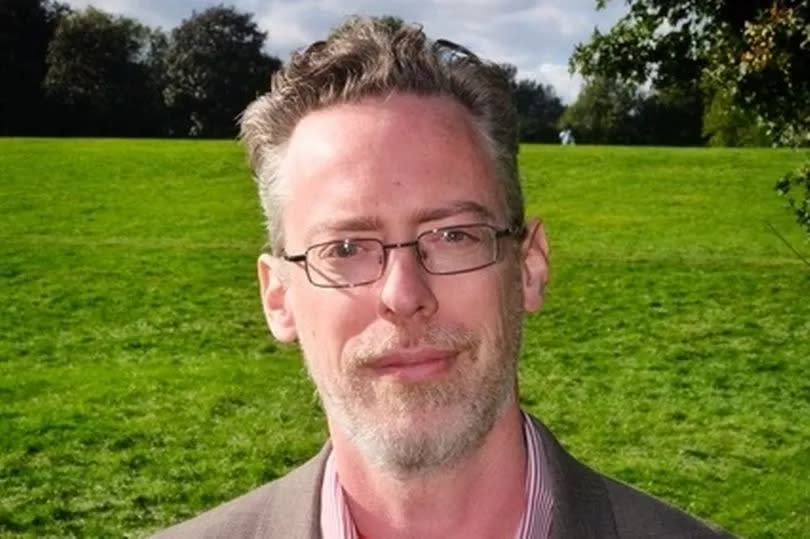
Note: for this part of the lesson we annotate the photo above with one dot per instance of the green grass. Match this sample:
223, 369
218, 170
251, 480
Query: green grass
138, 384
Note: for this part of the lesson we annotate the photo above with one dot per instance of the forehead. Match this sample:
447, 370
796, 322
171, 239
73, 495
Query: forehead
387, 160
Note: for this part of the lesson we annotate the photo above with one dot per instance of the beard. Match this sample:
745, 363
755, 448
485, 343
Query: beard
411, 428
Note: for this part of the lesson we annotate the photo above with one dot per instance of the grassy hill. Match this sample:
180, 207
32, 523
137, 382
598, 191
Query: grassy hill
138, 384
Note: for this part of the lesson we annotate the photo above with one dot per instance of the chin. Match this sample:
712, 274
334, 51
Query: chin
417, 428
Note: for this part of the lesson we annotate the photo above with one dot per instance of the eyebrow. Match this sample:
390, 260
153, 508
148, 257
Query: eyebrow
372, 223
457, 207
349, 224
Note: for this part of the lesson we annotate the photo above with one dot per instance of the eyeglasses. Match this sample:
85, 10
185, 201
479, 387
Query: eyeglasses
442, 251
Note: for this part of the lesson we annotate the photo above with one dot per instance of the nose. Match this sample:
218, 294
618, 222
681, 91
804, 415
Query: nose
405, 293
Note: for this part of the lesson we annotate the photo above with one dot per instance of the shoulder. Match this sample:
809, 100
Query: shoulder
236, 518
590, 504
296, 496
638, 514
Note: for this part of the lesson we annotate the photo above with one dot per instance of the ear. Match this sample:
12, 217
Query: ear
273, 291
534, 265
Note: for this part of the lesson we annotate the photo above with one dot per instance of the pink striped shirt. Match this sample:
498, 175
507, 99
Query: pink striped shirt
337, 522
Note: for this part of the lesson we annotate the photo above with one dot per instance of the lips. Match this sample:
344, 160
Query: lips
414, 365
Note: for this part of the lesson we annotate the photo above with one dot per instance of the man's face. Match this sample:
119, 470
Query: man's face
414, 368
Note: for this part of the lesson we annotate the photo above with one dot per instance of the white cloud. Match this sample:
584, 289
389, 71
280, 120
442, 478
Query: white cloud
566, 85
536, 36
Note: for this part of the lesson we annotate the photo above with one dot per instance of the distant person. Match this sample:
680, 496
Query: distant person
400, 260
567, 137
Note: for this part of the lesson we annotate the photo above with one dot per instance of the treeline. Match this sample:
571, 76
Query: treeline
610, 111
91, 73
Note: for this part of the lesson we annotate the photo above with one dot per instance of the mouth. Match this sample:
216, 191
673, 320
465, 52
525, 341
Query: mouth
414, 365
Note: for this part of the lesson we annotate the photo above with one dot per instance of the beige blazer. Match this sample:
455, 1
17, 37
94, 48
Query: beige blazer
586, 505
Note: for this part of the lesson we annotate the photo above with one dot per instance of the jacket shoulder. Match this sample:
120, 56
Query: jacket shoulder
296, 496
588, 504
638, 514
237, 518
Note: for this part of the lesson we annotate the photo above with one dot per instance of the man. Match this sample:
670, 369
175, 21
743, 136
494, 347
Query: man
567, 137
401, 261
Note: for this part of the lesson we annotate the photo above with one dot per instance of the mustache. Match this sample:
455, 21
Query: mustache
372, 347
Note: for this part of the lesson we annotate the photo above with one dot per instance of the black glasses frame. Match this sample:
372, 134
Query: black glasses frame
517, 232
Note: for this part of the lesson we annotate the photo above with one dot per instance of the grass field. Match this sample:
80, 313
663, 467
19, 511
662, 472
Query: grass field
138, 384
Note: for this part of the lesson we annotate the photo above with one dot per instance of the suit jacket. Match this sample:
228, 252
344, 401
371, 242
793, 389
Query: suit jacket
586, 505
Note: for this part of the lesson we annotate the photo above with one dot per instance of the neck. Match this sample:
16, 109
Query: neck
482, 495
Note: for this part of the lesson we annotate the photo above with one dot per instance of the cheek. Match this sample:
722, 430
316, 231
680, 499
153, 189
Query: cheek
476, 302
326, 319
494, 305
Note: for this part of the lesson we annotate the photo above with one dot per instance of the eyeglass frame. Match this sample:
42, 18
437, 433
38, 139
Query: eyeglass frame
515, 231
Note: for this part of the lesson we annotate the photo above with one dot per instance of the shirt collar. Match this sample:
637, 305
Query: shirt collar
337, 523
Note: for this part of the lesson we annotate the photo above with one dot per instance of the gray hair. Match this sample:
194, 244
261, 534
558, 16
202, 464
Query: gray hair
369, 57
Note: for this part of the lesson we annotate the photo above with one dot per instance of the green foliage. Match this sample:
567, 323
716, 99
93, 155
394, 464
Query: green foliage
671, 116
110, 75
96, 68
795, 187
539, 108
726, 124
139, 384
751, 53
26, 28
603, 112
392, 22
90, 48
773, 75
613, 111
656, 42
754, 51
775, 79
214, 67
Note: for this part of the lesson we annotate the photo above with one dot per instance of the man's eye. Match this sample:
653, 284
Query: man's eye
342, 249
457, 236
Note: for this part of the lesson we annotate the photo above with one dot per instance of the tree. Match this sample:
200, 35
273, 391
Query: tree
538, 108
154, 62
26, 28
755, 51
728, 125
671, 116
612, 111
604, 112
96, 70
214, 67
393, 23
798, 180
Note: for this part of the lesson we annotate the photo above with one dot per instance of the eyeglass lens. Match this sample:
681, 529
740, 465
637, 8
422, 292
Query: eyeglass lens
351, 262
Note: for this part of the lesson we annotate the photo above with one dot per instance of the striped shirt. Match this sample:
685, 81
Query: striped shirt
337, 522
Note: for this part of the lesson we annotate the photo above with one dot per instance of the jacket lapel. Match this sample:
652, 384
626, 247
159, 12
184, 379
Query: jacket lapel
581, 509
581, 505
294, 509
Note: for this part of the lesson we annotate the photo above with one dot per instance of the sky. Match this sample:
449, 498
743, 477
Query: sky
537, 36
